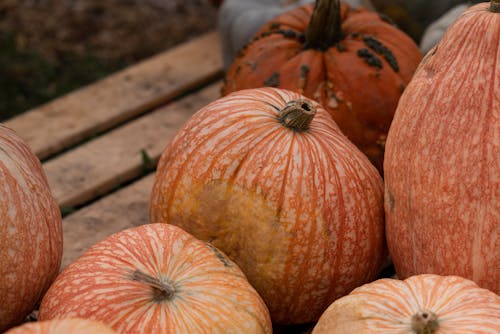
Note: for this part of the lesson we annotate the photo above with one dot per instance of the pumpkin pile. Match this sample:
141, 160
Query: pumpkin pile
269, 207
350, 60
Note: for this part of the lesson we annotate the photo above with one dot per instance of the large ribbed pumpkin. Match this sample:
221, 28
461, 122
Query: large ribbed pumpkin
30, 230
157, 279
63, 326
423, 304
266, 176
350, 60
442, 167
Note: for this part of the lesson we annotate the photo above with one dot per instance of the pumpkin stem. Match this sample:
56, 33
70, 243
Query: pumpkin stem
297, 115
424, 322
495, 6
161, 291
324, 29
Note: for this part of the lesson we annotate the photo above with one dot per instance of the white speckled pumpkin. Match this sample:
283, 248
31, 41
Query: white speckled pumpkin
157, 279
423, 304
267, 177
30, 230
63, 326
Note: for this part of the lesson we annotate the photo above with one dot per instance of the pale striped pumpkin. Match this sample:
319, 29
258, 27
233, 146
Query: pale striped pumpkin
63, 326
157, 279
267, 177
423, 304
442, 160
30, 230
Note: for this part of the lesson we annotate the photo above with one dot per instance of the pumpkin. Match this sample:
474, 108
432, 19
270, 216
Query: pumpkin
239, 20
63, 326
157, 278
267, 177
350, 60
442, 167
30, 230
435, 31
423, 304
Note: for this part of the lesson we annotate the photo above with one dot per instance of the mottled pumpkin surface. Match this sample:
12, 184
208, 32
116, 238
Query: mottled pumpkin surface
299, 211
422, 304
30, 230
63, 326
442, 167
359, 79
157, 278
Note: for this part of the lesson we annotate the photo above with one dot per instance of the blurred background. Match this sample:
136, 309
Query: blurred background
51, 47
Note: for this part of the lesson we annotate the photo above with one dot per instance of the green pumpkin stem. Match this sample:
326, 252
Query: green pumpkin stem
495, 6
297, 115
324, 29
424, 322
161, 291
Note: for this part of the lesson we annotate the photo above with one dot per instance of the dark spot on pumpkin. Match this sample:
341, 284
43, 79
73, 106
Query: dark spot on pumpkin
304, 70
355, 35
273, 80
381, 49
275, 26
390, 197
387, 19
340, 47
220, 256
370, 58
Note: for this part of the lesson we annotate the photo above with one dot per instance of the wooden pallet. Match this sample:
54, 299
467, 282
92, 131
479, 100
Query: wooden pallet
99, 144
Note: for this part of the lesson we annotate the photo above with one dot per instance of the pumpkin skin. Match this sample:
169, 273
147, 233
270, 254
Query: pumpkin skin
30, 230
442, 167
63, 326
423, 304
298, 210
358, 85
157, 278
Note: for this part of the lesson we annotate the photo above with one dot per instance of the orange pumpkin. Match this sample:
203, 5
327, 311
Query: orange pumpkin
442, 168
267, 177
157, 279
63, 326
30, 230
424, 304
350, 60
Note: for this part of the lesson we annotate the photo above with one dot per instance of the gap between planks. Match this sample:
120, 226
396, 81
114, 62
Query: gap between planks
101, 165
93, 109
125, 208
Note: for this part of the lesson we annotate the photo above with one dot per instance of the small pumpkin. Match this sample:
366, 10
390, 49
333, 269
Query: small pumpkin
63, 326
157, 279
442, 167
435, 31
30, 230
267, 177
423, 304
239, 20
350, 60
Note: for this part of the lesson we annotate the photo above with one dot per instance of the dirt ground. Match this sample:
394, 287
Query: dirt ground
109, 29
50, 47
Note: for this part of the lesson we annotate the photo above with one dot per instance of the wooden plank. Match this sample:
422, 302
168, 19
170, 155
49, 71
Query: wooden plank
100, 165
128, 207
119, 97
